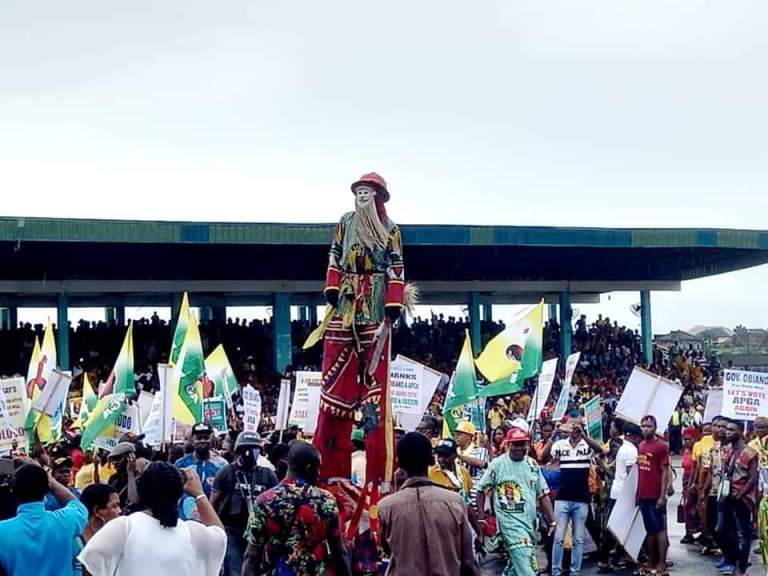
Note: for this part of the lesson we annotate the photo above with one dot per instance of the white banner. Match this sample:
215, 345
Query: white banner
283, 405
565, 392
146, 399
543, 388
647, 393
54, 393
127, 422
625, 521
430, 379
252, 409
15, 393
306, 401
745, 394
151, 426
406, 378
714, 405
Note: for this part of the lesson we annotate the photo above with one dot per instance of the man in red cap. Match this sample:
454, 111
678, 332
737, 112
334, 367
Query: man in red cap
518, 489
365, 289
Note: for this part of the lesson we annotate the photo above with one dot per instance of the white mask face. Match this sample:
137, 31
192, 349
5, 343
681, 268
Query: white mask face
364, 195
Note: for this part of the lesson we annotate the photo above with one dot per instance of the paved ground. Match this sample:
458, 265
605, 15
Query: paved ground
687, 559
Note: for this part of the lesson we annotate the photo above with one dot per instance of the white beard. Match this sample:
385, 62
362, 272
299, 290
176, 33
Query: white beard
370, 231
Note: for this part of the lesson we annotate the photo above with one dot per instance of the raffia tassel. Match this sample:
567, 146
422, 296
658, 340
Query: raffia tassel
411, 298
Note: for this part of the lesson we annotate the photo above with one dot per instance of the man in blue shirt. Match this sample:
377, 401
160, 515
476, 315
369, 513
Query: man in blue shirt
61, 468
204, 462
36, 542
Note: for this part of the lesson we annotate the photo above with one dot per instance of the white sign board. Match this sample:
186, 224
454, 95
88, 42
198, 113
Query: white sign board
151, 426
430, 379
625, 521
714, 405
128, 421
146, 400
283, 405
15, 393
647, 393
565, 393
54, 393
406, 377
306, 401
745, 394
543, 388
252, 409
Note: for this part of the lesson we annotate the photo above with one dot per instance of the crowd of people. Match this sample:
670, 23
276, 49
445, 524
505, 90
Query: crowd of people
255, 504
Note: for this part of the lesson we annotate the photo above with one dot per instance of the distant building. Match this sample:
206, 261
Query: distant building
683, 340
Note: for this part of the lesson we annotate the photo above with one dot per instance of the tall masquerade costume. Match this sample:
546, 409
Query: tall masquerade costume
365, 288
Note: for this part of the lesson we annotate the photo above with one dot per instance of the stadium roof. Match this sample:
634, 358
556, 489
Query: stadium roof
101, 262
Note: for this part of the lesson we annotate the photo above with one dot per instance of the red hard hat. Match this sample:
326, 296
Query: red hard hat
377, 181
517, 435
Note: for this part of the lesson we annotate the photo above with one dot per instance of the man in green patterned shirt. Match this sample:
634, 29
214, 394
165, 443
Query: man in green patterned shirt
518, 487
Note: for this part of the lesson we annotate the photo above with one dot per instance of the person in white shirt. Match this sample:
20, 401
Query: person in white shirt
155, 541
625, 459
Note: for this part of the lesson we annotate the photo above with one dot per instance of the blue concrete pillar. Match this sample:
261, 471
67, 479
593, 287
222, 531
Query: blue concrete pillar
281, 330
645, 325
206, 314
313, 315
62, 323
219, 314
120, 315
109, 314
474, 322
176, 298
487, 312
303, 313
5, 319
553, 311
566, 325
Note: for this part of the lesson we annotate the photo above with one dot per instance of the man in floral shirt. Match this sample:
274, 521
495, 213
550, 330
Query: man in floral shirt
294, 528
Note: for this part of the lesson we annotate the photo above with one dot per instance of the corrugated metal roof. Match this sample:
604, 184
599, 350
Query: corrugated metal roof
128, 231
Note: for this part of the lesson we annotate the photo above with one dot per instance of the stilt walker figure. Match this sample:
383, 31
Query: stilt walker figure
365, 289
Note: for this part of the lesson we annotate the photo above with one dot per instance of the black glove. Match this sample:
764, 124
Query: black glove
392, 313
332, 296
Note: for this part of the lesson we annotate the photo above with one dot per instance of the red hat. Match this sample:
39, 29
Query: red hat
377, 181
517, 435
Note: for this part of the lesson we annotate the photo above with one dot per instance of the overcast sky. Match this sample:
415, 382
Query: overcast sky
591, 113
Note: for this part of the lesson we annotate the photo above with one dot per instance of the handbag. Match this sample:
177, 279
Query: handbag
724, 490
680, 514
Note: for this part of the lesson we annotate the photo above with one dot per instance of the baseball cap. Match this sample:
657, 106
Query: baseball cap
247, 440
122, 449
467, 427
201, 428
446, 446
63, 462
517, 435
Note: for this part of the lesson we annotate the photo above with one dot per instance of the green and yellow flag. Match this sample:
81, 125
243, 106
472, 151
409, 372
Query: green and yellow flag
463, 389
182, 325
219, 370
121, 380
514, 355
103, 418
186, 377
90, 399
48, 430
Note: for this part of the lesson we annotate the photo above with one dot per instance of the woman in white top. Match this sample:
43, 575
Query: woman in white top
155, 541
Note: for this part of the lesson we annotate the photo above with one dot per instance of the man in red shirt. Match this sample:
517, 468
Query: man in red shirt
653, 478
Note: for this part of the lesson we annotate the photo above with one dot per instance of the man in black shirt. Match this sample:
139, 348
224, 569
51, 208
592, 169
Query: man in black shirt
234, 490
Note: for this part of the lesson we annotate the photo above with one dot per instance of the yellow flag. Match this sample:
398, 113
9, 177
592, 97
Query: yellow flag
515, 351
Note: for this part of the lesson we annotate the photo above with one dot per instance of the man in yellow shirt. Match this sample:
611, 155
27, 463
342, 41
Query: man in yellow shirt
448, 472
96, 465
758, 443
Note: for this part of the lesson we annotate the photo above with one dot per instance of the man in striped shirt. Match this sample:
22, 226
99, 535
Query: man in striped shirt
571, 504
518, 487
